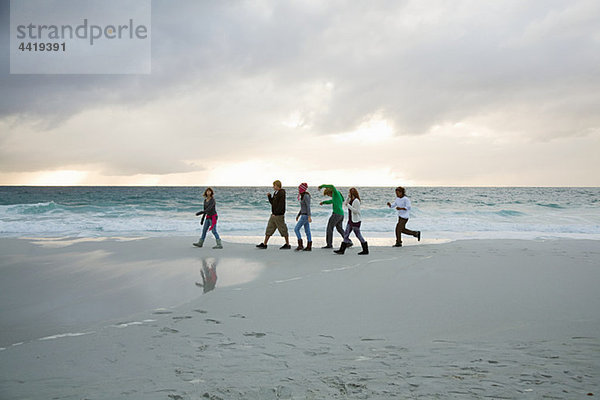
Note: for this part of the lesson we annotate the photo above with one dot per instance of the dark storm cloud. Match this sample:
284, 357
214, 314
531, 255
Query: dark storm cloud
529, 68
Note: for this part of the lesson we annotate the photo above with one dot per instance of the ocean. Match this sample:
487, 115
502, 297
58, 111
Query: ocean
441, 213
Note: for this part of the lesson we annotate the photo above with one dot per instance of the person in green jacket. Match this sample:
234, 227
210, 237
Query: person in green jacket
337, 218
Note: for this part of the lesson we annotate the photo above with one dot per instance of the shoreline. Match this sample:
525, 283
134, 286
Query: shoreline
375, 242
275, 241
479, 317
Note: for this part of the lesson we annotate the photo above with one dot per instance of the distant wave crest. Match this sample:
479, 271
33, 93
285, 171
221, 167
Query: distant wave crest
550, 205
29, 209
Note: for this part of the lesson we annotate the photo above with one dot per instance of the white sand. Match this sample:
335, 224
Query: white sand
468, 319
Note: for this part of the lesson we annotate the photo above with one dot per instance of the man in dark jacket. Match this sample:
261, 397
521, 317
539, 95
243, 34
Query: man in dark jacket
277, 219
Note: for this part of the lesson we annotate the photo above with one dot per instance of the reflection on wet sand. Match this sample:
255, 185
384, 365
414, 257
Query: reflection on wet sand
233, 271
209, 274
52, 290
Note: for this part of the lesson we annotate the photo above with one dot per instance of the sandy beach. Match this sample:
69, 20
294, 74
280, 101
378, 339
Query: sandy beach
464, 132
125, 319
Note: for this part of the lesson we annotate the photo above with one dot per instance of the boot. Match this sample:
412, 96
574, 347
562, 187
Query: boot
308, 246
219, 244
300, 246
200, 243
365, 247
342, 249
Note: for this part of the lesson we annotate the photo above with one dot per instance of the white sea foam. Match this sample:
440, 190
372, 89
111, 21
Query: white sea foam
443, 213
64, 335
289, 280
128, 324
133, 323
65, 242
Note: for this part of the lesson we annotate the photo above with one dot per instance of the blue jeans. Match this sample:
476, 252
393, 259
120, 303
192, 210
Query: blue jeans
353, 228
207, 224
303, 221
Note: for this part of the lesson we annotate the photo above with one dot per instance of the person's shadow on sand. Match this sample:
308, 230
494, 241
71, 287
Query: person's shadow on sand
209, 274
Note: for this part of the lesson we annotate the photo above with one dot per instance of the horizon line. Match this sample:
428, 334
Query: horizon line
371, 186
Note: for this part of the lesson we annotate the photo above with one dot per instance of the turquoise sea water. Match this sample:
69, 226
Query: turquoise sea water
443, 213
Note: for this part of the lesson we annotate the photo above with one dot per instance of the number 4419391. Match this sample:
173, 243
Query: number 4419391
42, 46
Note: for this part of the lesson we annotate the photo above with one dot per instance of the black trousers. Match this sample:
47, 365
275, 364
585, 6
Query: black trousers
401, 228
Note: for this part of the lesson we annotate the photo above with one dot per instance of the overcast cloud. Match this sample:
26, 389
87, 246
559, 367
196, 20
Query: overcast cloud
280, 81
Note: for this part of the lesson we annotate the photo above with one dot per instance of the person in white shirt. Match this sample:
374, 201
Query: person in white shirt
402, 206
354, 221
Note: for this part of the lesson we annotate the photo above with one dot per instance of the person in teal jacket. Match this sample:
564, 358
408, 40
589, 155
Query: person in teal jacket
337, 217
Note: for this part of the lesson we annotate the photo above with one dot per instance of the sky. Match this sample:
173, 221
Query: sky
378, 93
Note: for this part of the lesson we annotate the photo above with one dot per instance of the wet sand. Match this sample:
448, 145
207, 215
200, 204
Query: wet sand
469, 319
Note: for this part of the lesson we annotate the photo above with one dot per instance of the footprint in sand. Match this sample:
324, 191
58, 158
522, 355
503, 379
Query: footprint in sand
211, 396
186, 376
214, 321
288, 344
169, 330
317, 352
255, 334
201, 311
162, 311
397, 348
177, 319
344, 388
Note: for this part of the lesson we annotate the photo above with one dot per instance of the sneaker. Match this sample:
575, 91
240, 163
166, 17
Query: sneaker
397, 245
261, 246
285, 247
418, 236
327, 247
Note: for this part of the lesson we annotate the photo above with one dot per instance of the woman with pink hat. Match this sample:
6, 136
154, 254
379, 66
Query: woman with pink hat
303, 218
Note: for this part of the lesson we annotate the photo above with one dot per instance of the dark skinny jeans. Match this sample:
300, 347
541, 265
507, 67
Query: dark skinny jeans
401, 228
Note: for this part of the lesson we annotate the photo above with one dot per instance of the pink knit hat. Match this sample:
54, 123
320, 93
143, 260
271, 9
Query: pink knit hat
302, 188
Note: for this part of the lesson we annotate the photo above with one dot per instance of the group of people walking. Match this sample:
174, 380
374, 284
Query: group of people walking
303, 219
